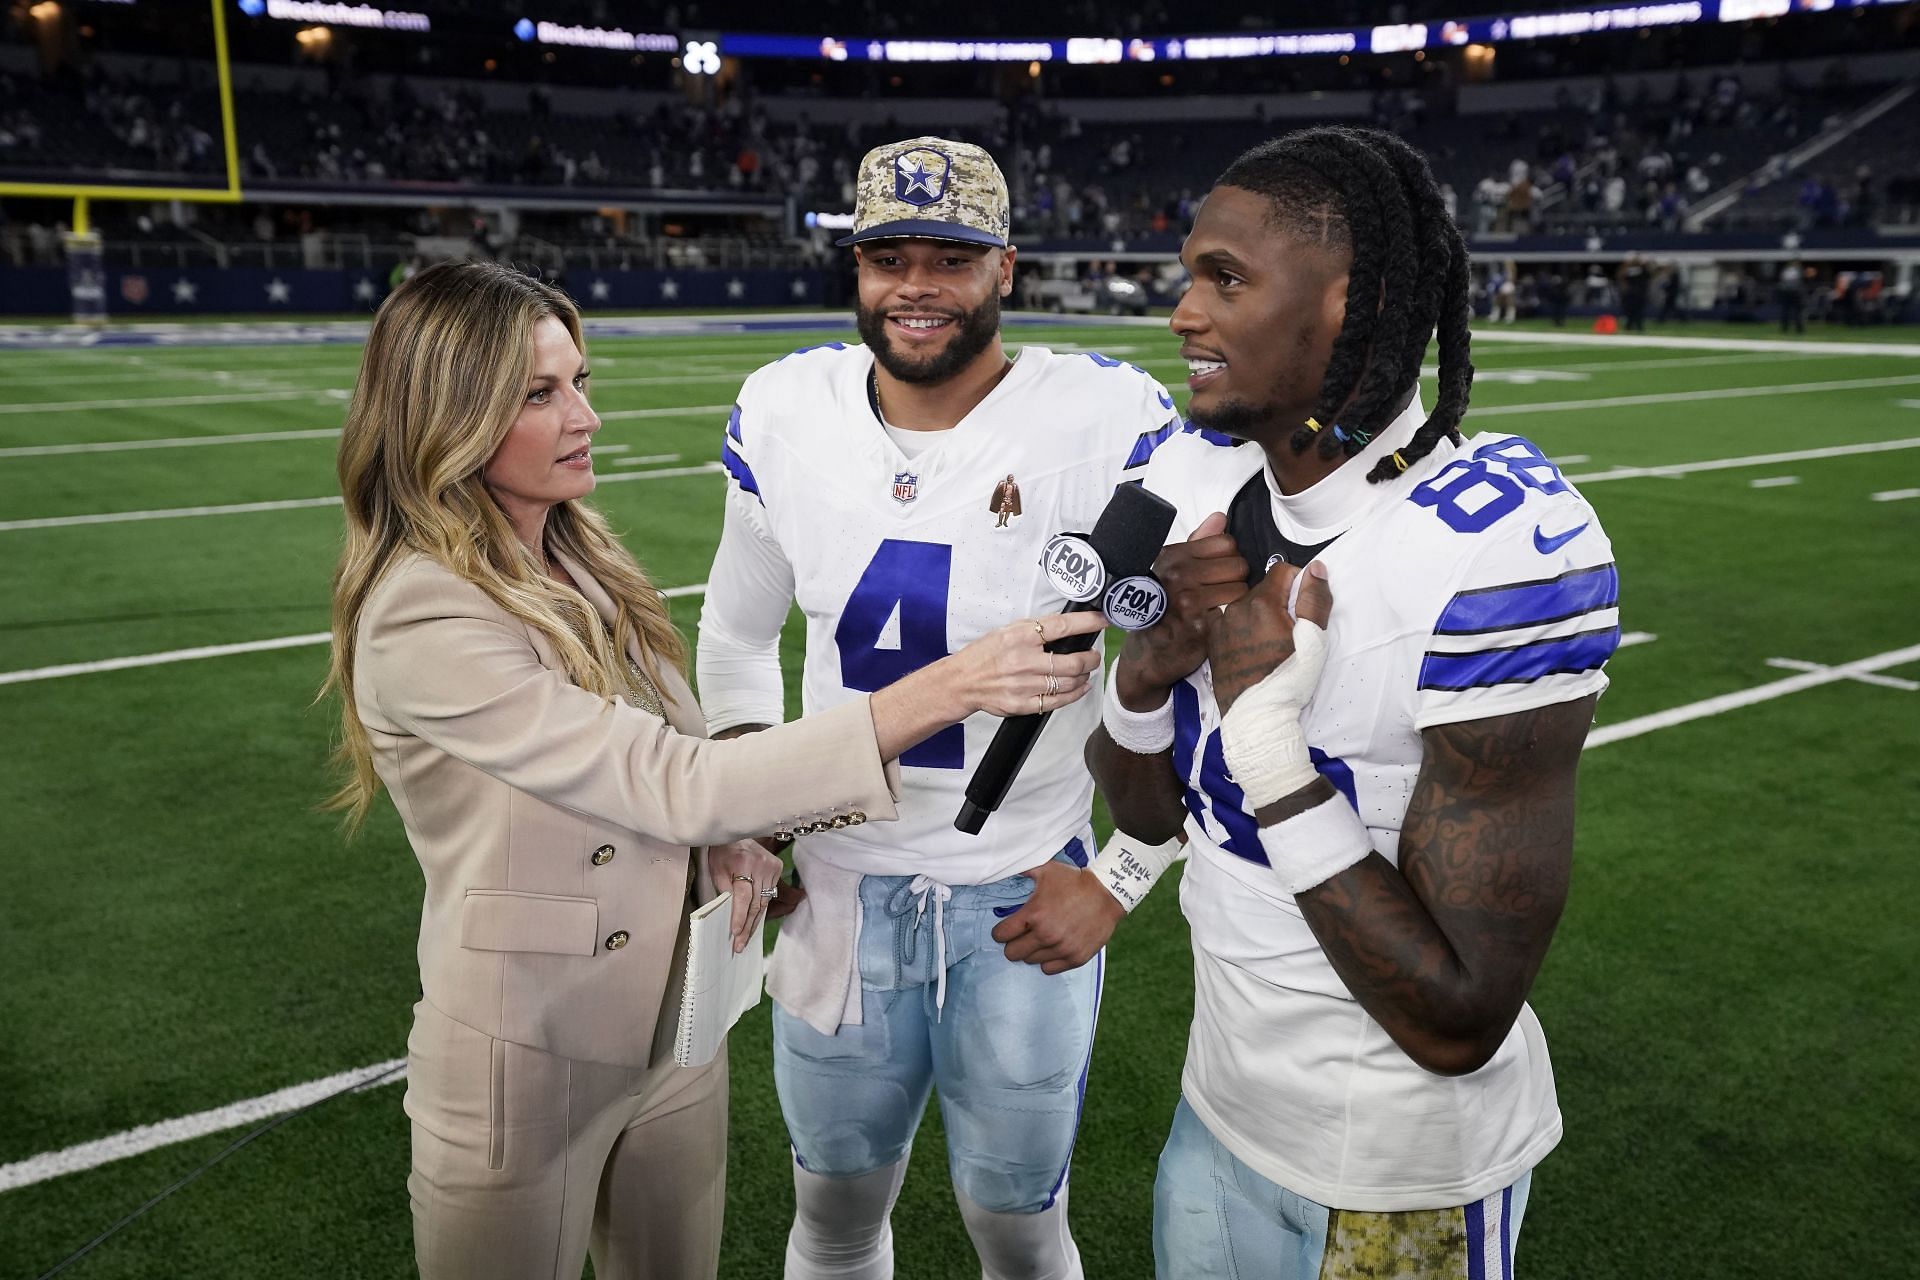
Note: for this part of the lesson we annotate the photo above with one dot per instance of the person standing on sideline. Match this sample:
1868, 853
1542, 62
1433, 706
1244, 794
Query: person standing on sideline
511, 676
1364, 707
902, 491
1792, 293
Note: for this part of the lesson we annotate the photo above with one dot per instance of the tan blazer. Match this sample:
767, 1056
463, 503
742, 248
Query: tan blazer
554, 829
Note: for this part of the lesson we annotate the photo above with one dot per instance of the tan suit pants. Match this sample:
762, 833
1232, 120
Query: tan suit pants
523, 1162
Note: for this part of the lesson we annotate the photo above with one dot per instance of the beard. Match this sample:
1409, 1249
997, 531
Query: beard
973, 332
1237, 418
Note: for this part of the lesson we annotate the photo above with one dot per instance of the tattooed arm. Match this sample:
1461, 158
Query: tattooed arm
1443, 950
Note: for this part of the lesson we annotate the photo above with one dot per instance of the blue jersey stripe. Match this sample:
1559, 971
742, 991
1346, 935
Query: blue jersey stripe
1518, 665
742, 473
1530, 604
733, 425
1149, 441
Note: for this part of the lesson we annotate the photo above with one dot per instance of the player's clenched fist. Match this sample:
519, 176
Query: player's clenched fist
1200, 575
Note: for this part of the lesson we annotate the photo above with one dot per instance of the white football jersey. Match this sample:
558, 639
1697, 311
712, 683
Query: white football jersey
1477, 584
899, 561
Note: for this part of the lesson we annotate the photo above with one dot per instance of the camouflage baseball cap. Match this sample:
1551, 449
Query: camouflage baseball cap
930, 189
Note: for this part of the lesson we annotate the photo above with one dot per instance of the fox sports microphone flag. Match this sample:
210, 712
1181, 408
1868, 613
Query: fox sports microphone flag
1123, 544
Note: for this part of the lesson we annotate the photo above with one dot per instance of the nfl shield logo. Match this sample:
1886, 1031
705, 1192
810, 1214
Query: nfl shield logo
920, 176
906, 487
133, 289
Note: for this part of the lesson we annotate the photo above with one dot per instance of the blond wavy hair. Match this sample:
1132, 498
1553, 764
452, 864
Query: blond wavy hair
443, 377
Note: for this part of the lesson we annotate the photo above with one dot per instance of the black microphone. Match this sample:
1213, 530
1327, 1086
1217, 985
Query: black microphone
1114, 557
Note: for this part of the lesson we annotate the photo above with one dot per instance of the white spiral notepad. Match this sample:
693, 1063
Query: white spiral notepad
719, 985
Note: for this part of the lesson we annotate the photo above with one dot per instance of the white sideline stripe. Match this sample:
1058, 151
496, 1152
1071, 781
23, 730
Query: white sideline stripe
1885, 682
1773, 482
289, 504
1748, 697
1896, 495
1685, 397
1754, 460
220, 651
162, 402
172, 442
90, 1155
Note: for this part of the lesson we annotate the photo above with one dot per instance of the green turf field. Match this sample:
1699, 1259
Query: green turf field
1730, 1001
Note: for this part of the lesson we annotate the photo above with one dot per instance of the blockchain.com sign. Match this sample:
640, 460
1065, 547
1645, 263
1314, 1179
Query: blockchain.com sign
337, 15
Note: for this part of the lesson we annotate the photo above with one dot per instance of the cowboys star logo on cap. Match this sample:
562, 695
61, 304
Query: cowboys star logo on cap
930, 189
920, 176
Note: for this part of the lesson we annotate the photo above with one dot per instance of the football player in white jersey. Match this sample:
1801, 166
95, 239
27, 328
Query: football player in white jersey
1381, 822
901, 491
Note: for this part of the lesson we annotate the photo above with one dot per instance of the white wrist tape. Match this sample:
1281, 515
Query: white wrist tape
1260, 735
1128, 867
1144, 733
1317, 845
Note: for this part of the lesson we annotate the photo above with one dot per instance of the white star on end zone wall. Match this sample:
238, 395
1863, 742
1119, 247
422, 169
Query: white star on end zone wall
364, 290
599, 289
278, 290
669, 289
185, 291
736, 288
1595, 244
798, 288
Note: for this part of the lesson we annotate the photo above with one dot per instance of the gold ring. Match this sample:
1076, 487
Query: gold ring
1040, 698
1039, 630
738, 879
1053, 686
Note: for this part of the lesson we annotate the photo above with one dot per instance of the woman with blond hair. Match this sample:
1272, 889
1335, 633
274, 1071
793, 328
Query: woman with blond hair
513, 679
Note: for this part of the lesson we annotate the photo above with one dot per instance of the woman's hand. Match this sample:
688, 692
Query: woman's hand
1010, 673
744, 869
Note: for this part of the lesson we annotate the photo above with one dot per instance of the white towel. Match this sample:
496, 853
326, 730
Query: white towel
812, 973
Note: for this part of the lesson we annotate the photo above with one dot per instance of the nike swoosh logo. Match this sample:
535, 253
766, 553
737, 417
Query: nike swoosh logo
1547, 546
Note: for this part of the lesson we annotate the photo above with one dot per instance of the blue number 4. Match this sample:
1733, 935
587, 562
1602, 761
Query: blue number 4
912, 578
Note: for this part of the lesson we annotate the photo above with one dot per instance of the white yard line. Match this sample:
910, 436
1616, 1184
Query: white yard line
89, 1155
171, 442
681, 411
1896, 495
1663, 342
33, 674
1863, 677
1632, 638
640, 460
1686, 397
1752, 460
148, 1137
1773, 482
290, 504
1748, 697
163, 402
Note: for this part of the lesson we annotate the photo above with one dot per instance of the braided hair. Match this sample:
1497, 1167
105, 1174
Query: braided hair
1372, 195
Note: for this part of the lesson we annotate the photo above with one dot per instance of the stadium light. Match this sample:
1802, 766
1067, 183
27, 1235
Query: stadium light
702, 58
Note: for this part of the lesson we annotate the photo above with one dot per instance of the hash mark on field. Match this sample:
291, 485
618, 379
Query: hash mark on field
1773, 482
1574, 459
1896, 495
1748, 697
1864, 677
1632, 638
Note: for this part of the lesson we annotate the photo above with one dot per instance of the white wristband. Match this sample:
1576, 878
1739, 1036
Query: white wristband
1313, 847
1144, 733
1260, 735
1128, 867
